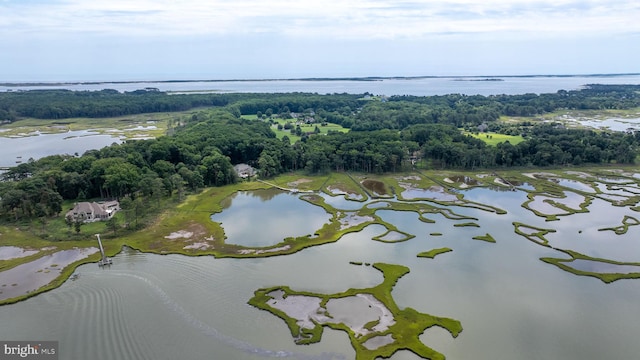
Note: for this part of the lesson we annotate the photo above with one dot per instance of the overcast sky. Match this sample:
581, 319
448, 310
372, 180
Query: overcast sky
229, 39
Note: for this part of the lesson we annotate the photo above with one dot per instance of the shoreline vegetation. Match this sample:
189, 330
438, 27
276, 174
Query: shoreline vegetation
431, 254
398, 153
389, 329
186, 228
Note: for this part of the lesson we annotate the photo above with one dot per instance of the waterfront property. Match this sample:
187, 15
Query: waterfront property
245, 171
93, 211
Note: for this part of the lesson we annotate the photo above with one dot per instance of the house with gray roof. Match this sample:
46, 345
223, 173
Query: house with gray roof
244, 171
93, 211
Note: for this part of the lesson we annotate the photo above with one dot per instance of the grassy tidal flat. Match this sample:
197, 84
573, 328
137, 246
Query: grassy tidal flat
139, 126
188, 229
612, 119
434, 252
579, 220
376, 326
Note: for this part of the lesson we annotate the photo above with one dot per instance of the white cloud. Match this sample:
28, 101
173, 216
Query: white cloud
124, 39
321, 18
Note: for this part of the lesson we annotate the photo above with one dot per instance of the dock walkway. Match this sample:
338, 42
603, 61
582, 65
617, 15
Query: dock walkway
512, 187
284, 188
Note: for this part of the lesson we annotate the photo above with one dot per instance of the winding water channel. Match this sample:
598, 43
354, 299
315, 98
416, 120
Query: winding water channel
511, 305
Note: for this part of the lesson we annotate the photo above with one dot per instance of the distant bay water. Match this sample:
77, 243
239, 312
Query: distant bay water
418, 86
37, 145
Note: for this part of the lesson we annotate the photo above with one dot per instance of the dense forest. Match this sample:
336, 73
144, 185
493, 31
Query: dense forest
61, 104
386, 135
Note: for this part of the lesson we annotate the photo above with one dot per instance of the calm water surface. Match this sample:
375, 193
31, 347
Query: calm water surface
419, 87
511, 304
20, 149
244, 224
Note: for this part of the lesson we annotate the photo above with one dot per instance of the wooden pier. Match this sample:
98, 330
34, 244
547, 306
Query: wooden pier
284, 188
511, 186
105, 260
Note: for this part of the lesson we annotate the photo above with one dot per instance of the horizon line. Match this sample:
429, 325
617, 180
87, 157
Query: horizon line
354, 78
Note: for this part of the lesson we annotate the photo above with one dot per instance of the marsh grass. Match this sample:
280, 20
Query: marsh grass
193, 214
466, 224
533, 233
300, 181
565, 264
11, 236
123, 124
434, 252
409, 324
344, 183
627, 221
487, 238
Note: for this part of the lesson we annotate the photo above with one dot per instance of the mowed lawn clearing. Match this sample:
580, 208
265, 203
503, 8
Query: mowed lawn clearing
306, 128
494, 139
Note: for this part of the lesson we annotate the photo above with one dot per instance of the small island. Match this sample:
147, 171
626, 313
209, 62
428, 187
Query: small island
379, 328
434, 252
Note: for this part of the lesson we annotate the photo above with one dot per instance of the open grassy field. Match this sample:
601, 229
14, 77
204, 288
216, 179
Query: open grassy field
494, 139
306, 128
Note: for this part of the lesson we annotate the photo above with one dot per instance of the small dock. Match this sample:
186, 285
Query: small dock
105, 260
295, 191
512, 187
361, 187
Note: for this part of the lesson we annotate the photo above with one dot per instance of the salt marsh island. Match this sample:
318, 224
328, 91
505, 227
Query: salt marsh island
376, 326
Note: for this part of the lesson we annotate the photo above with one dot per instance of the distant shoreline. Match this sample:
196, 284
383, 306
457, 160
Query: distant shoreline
368, 78
483, 79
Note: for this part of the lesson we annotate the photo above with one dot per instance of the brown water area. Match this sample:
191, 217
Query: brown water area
377, 187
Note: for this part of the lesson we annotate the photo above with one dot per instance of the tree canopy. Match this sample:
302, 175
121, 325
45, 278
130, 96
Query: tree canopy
384, 136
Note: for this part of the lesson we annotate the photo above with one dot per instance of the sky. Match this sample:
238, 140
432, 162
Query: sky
108, 40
